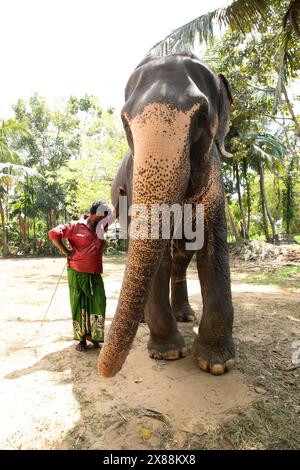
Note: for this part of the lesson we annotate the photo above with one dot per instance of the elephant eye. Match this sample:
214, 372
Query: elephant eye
128, 134
201, 118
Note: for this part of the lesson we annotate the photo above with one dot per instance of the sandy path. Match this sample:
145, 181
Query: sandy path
51, 396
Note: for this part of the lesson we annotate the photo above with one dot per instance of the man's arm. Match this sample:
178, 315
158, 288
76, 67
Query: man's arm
57, 234
62, 248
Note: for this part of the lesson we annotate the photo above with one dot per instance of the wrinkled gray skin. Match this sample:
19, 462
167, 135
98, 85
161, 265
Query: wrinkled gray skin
176, 118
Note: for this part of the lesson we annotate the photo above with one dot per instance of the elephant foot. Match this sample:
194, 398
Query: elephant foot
185, 313
168, 349
217, 358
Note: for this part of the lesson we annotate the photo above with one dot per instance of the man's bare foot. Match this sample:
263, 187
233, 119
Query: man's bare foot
97, 344
81, 346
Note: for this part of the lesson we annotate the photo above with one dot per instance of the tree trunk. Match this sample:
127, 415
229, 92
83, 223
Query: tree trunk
231, 221
34, 237
263, 199
289, 196
248, 193
4, 231
264, 204
271, 220
290, 108
238, 188
53, 218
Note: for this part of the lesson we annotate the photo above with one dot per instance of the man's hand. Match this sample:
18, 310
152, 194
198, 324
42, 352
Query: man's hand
121, 191
62, 248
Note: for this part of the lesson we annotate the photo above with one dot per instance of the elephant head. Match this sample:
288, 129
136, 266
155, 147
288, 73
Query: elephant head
175, 110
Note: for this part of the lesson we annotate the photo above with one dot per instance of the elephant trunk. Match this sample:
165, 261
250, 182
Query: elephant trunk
160, 176
143, 260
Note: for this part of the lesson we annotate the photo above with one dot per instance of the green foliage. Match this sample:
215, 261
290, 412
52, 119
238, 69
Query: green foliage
63, 158
55, 161
286, 278
262, 142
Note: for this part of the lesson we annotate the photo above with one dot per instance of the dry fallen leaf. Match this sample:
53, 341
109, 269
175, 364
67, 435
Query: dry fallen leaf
139, 380
260, 390
145, 433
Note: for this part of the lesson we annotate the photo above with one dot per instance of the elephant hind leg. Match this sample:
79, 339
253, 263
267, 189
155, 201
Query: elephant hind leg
179, 294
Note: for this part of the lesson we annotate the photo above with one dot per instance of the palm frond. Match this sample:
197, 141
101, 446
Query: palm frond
273, 143
10, 128
241, 16
292, 17
18, 172
288, 62
267, 148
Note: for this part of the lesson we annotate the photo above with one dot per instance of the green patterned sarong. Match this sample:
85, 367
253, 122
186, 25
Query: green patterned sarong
88, 303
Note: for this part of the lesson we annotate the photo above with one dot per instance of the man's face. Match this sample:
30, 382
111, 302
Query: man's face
97, 217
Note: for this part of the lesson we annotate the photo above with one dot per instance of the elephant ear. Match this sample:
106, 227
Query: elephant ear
224, 114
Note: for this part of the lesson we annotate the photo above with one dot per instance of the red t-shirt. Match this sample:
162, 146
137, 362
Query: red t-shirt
87, 247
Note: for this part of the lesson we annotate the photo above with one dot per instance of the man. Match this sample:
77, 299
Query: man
87, 294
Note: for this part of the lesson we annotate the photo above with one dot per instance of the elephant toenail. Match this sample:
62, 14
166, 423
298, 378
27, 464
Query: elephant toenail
183, 352
217, 369
203, 364
229, 364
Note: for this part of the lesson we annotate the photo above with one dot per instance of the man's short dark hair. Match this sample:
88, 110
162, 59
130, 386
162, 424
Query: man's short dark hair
95, 206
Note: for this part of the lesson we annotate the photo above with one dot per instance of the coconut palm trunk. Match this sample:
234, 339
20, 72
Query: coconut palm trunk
264, 204
5, 248
238, 188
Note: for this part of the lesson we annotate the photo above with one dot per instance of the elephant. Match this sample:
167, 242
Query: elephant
176, 117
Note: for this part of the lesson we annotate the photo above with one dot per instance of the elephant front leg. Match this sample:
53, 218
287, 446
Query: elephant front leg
182, 310
165, 340
214, 348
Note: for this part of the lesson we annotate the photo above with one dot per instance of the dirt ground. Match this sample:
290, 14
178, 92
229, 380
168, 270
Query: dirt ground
52, 397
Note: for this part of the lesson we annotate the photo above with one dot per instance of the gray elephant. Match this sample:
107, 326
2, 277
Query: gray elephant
175, 116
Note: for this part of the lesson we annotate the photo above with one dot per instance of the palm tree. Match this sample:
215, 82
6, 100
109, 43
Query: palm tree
11, 169
266, 152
